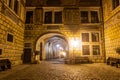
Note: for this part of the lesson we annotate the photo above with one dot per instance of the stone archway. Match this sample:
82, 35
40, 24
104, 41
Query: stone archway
50, 45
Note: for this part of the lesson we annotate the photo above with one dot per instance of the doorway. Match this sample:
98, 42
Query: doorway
27, 55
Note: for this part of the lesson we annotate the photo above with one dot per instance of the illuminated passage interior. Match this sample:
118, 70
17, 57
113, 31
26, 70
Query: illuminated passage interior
55, 48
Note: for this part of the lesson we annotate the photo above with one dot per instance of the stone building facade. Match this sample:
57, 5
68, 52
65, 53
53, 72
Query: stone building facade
40, 29
12, 18
79, 20
111, 14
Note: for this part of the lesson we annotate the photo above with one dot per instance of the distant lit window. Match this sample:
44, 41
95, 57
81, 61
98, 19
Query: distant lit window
84, 17
58, 17
10, 37
94, 17
85, 37
29, 17
85, 49
48, 17
96, 50
0, 51
95, 37
116, 3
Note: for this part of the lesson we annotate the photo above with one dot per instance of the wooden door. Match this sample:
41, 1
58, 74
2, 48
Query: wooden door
27, 55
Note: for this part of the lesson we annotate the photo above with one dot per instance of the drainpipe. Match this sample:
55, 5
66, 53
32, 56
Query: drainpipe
103, 41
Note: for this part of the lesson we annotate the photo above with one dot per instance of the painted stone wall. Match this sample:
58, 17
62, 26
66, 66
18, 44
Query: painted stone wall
71, 27
11, 36
111, 28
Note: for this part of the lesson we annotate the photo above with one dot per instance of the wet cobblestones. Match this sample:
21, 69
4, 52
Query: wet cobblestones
57, 71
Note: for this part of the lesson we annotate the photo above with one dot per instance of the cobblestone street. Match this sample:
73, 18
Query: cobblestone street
53, 70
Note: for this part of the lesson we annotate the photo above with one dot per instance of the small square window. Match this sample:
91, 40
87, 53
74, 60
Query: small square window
86, 50
10, 37
96, 50
95, 37
0, 51
29, 17
94, 17
85, 37
48, 17
58, 17
84, 16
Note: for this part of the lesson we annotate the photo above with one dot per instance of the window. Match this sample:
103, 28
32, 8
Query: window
58, 17
85, 37
84, 16
10, 37
94, 17
29, 17
9, 4
53, 17
16, 6
85, 50
89, 16
0, 51
95, 37
48, 17
115, 3
96, 50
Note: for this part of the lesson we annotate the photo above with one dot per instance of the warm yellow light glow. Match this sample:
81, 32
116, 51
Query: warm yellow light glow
75, 42
63, 53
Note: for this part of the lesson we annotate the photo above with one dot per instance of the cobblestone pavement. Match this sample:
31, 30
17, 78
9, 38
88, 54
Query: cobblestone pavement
58, 71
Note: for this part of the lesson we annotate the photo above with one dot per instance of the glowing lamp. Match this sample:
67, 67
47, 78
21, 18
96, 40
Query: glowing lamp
74, 42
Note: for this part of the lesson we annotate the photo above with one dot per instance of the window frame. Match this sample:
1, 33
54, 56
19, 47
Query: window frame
50, 15
91, 43
94, 48
89, 10
16, 6
85, 50
10, 37
84, 20
60, 16
29, 18
93, 16
114, 5
1, 51
98, 35
53, 10
88, 37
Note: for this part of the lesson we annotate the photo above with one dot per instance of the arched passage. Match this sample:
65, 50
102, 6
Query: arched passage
52, 46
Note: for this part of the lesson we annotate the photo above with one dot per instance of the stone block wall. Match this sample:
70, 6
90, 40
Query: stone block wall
111, 28
11, 50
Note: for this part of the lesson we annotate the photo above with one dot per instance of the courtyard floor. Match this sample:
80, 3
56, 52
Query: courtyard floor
55, 70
